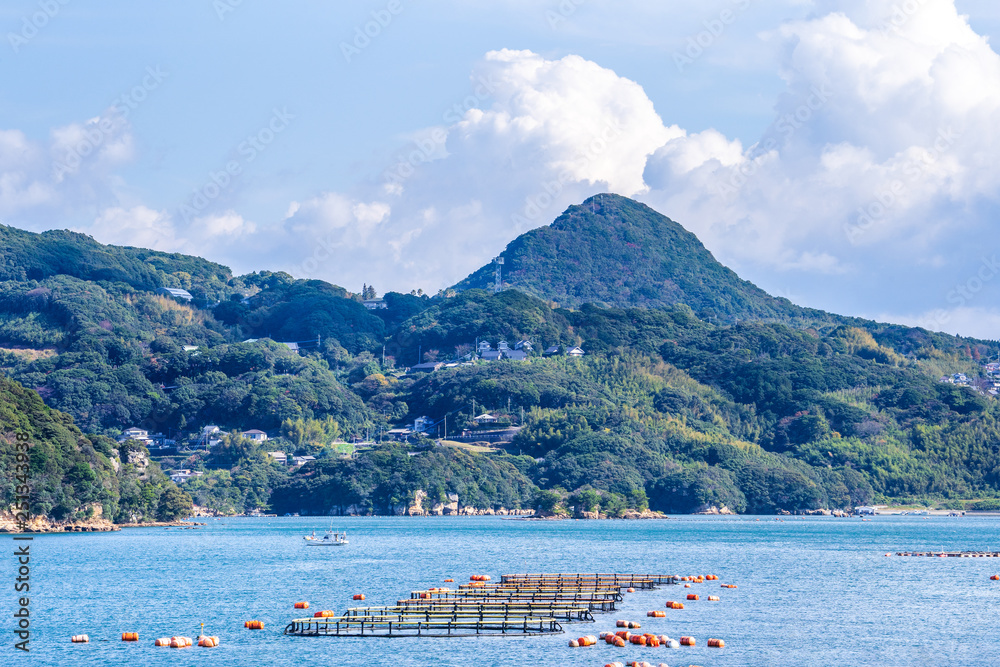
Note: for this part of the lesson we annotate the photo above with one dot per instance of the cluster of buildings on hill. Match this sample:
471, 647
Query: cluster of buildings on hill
990, 384
484, 352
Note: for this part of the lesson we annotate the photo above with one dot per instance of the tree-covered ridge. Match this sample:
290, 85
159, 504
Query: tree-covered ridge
379, 482
678, 405
28, 256
614, 251
76, 477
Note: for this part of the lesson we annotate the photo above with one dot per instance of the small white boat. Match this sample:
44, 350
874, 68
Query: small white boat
331, 539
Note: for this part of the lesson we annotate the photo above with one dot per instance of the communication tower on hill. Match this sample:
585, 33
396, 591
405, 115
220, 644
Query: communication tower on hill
497, 277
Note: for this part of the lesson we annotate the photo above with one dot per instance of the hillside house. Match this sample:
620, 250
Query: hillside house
428, 367
490, 355
375, 304
135, 433
280, 457
422, 424
183, 475
502, 346
575, 352
516, 355
255, 435
549, 351
523, 345
485, 418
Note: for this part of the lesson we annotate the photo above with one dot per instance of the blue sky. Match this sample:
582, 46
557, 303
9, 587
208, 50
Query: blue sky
267, 135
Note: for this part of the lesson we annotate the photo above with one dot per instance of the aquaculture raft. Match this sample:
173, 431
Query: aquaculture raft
450, 625
517, 605
638, 581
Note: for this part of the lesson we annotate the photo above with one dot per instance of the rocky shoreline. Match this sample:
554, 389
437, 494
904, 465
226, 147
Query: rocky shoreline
42, 524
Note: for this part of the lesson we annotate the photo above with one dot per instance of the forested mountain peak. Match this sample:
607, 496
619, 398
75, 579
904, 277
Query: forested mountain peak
614, 251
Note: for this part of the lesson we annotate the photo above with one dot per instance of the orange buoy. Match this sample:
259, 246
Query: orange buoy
574, 643
130, 636
687, 585
995, 577
656, 614
630, 590
79, 639
180, 642
253, 625
359, 596
716, 643
301, 605
675, 605
208, 642
449, 581
621, 624
162, 641
692, 596
326, 613
688, 641
713, 598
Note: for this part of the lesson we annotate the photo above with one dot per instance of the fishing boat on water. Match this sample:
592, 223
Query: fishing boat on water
330, 539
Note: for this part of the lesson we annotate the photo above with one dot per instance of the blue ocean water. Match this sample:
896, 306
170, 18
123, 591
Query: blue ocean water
813, 591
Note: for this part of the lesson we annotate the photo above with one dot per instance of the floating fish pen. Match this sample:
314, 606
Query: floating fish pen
445, 626
504, 612
559, 612
601, 605
540, 588
603, 598
638, 581
951, 554
525, 604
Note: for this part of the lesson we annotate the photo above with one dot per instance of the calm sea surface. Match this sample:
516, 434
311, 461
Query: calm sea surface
814, 591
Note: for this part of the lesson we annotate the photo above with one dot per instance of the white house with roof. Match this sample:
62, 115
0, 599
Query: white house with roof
255, 435
485, 418
183, 475
523, 345
135, 433
280, 457
375, 304
575, 352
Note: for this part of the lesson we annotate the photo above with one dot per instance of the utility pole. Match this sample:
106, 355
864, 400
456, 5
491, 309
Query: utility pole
446, 427
383, 357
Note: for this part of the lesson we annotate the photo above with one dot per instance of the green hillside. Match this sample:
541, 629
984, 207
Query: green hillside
614, 251
75, 477
696, 388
